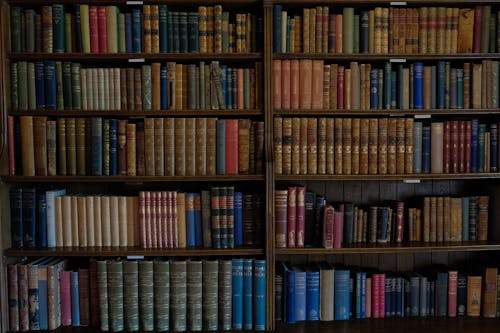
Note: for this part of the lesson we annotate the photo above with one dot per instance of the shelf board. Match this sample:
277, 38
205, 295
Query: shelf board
124, 2
396, 325
398, 58
130, 251
132, 57
373, 3
137, 113
385, 112
413, 178
128, 179
396, 248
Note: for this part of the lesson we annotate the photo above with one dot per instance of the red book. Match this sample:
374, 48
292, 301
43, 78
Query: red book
447, 147
400, 220
331, 33
142, 219
175, 238
467, 145
169, 222
241, 89
294, 84
305, 83
452, 293
103, 35
93, 26
381, 292
153, 224
285, 84
454, 146
163, 220
340, 88
277, 84
231, 146
328, 217
338, 226
461, 146
291, 216
147, 220
65, 294
12, 147
122, 147
300, 215
375, 296
477, 29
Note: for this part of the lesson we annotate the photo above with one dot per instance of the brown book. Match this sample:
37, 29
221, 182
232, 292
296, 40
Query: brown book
122, 147
346, 145
190, 148
140, 150
40, 137
305, 86
465, 30
330, 146
51, 148
333, 85
448, 29
373, 146
477, 89
296, 145
285, 78
84, 296
158, 147
355, 139
347, 89
317, 85
27, 145
474, 284
439, 219
181, 220
408, 160
456, 219
178, 87
482, 218
61, 146
287, 146
441, 30
243, 146
321, 146
305, 30
131, 150
155, 85
363, 146
180, 146
354, 86
431, 32
338, 146
467, 85
294, 84
447, 223
391, 146
169, 146
303, 146
422, 29
433, 219
137, 89
382, 145
201, 146
80, 147
278, 145
326, 86
123, 88
312, 146
437, 135
71, 146
490, 292
252, 149
149, 146
400, 146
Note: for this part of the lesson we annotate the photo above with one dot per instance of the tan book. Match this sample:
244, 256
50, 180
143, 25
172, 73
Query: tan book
149, 146
465, 30
330, 146
441, 30
130, 221
474, 284
75, 228
131, 150
312, 146
40, 137
363, 146
448, 29
373, 146
382, 145
385, 31
201, 146
211, 145
391, 146
169, 146
317, 85
296, 144
114, 223
338, 146
312, 30
346, 145
58, 221
181, 219
408, 160
180, 146
67, 238
437, 132
98, 235
454, 29
318, 30
400, 146
305, 31
105, 220
305, 86
178, 87
190, 148
51, 148
303, 146
431, 32
333, 85
89, 215
326, 87
123, 221
456, 220
423, 28
439, 219
82, 221
61, 146
490, 292
477, 89
287, 146
321, 140
355, 145
347, 89
27, 145
447, 219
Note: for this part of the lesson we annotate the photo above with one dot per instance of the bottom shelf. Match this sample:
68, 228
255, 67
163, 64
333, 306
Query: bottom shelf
397, 325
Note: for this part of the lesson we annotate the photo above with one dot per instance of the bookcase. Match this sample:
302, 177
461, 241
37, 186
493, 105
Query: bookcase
301, 125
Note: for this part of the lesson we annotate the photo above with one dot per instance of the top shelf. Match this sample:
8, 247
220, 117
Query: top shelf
376, 3
124, 2
396, 58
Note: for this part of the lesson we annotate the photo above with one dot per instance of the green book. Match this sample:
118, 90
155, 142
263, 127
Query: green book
146, 295
80, 147
225, 294
246, 88
485, 28
76, 88
121, 33
14, 86
31, 86
178, 295
131, 295
356, 34
61, 146
84, 22
58, 24
115, 293
71, 146
348, 30
210, 294
102, 291
225, 32
498, 34
162, 295
29, 30
22, 73
59, 87
493, 36
194, 295
15, 29
67, 33
146, 87
67, 89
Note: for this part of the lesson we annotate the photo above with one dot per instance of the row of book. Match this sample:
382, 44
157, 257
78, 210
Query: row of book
131, 295
148, 147
320, 291
306, 219
154, 29
312, 84
56, 85
218, 218
383, 146
382, 30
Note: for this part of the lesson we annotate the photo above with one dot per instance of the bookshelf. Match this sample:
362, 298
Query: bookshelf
360, 189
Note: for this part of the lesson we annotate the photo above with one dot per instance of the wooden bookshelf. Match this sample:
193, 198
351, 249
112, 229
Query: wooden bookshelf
140, 113
139, 3
413, 178
129, 179
417, 113
379, 2
397, 58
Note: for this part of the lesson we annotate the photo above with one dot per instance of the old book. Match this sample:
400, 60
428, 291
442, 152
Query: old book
312, 146
338, 146
194, 274
40, 137
131, 150
201, 146
178, 295
437, 135
296, 145
305, 86
211, 146
146, 292
180, 146
243, 146
131, 294
330, 146
27, 145
190, 146
346, 145
321, 146
383, 145
489, 305
373, 146
474, 284
408, 157
281, 205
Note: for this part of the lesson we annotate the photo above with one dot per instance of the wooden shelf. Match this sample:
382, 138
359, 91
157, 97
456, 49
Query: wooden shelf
372, 3
124, 2
396, 325
386, 112
138, 113
128, 179
133, 58
387, 57
131, 251
396, 248
409, 178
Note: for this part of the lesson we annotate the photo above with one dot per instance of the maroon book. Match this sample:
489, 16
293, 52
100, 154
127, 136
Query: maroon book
122, 147
300, 216
467, 145
291, 216
139, 147
454, 146
231, 146
461, 146
447, 147
477, 29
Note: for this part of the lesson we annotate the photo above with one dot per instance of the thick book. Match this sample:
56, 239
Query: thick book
237, 299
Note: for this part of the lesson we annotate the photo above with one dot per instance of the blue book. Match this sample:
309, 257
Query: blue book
374, 89
170, 32
415, 295
493, 147
460, 88
441, 84
426, 149
300, 294
473, 145
128, 33
432, 297
229, 88
288, 29
399, 86
259, 300
41, 220
394, 86
381, 88
113, 147
183, 32
223, 83
461, 294
277, 28
341, 294
357, 297
387, 85
221, 147
163, 88
433, 87
16, 217
399, 303
42, 295
290, 295
407, 297
163, 14
50, 84
312, 295
238, 218
423, 296
29, 217
190, 221
418, 85
465, 219
78, 29
237, 282
51, 224
136, 31
96, 129
198, 224
193, 32
75, 300
247, 294
175, 32
387, 297
480, 147
442, 294
417, 147
394, 301
40, 85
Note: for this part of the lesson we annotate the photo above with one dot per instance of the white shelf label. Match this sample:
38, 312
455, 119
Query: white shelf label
396, 115
422, 116
134, 3
135, 257
137, 60
411, 181
398, 3
397, 60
